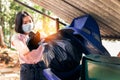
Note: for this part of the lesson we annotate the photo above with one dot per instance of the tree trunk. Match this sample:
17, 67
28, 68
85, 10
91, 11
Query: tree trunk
2, 44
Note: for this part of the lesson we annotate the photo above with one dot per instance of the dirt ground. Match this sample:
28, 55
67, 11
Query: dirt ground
9, 74
9, 65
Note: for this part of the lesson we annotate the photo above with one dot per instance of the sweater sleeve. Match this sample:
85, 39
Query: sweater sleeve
19, 45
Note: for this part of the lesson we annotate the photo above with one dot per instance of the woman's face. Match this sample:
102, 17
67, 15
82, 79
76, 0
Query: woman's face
27, 25
27, 19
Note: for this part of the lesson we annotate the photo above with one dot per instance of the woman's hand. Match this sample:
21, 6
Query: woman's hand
36, 55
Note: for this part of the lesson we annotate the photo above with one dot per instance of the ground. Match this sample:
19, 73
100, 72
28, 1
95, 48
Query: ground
9, 64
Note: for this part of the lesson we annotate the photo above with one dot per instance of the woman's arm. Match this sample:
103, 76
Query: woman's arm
33, 56
19, 44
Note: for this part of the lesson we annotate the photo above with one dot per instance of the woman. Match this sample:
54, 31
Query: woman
30, 61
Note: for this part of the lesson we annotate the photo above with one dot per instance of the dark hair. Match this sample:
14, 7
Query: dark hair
19, 21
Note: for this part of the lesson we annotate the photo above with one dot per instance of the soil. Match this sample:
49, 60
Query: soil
9, 64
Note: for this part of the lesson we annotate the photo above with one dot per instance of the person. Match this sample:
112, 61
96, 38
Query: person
30, 60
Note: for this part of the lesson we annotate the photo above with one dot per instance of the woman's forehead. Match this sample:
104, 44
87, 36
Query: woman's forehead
27, 18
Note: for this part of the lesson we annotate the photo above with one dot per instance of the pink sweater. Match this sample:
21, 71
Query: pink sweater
26, 56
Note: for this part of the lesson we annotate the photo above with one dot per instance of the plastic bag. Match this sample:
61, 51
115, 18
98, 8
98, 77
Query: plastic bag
63, 54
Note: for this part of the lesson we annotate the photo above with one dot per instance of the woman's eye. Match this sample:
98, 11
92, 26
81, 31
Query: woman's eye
24, 22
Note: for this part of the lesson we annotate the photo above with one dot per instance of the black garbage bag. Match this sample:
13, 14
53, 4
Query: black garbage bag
63, 54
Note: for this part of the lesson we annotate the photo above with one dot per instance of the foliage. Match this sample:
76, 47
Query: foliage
8, 11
